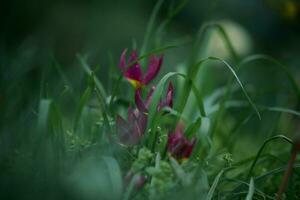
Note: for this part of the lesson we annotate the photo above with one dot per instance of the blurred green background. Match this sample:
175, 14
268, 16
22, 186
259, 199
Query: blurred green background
40, 41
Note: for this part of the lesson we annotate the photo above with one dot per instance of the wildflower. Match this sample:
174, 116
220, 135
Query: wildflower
132, 69
130, 131
144, 105
178, 145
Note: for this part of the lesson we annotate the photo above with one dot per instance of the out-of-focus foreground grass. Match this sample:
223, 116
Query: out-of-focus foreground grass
59, 71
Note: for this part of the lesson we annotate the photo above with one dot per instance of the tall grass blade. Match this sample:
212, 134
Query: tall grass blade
180, 172
240, 83
82, 102
150, 25
130, 188
195, 71
282, 137
251, 190
88, 70
43, 117
285, 68
173, 12
115, 177
212, 189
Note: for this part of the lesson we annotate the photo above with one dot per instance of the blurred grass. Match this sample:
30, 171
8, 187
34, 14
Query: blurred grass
58, 110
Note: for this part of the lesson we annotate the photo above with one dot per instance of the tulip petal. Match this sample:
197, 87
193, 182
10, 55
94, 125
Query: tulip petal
133, 57
189, 148
168, 101
170, 94
178, 145
153, 68
134, 73
130, 132
139, 102
137, 123
132, 70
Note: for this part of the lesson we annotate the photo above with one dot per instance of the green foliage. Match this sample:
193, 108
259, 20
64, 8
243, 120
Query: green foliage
59, 141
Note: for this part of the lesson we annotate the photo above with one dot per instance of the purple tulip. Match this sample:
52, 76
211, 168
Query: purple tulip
130, 132
132, 69
144, 105
178, 145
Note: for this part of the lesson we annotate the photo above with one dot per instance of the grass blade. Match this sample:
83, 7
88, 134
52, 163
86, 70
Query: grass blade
115, 176
180, 172
88, 70
82, 102
292, 80
195, 71
150, 25
251, 190
43, 117
130, 187
240, 83
212, 189
282, 137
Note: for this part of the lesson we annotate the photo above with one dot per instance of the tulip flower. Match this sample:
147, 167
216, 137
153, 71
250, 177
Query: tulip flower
144, 105
178, 145
131, 131
132, 69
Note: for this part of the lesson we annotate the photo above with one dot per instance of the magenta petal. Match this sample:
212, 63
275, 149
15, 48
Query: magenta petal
131, 70
130, 132
134, 73
122, 64
139, 125
133, 57
189, 148
142, 120
168, 101
170, 94
178, 145
139, 102
153, 68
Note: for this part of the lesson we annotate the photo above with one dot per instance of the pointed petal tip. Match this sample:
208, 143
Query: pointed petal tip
133, 56
170, 95
153, 68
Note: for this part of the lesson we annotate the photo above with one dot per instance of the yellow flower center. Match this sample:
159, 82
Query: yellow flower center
136, 84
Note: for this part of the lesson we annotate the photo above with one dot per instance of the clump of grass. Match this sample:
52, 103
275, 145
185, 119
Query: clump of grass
77, 153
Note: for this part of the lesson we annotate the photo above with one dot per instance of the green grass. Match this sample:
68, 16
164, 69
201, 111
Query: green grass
60, 141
